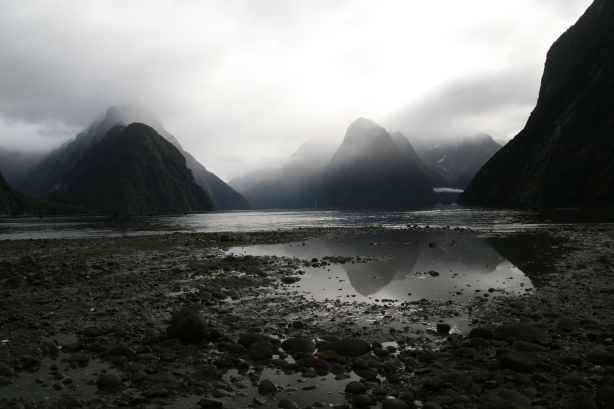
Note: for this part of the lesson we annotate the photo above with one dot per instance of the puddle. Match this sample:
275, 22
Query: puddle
410, 266
327, 390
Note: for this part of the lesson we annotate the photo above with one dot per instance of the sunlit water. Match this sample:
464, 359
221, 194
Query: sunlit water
410, 266
97, 226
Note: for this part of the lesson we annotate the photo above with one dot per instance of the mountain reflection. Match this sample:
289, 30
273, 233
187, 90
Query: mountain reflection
409, 265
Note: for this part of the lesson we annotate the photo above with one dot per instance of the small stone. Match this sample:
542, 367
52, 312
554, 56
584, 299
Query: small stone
394, 404
210, 403
443, 328
286, 403
4, 380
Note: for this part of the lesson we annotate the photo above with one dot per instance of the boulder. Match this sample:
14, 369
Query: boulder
188, 324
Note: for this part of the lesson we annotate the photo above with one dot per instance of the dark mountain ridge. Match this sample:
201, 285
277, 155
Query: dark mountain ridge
14, 203
368, 171
406, 149
50, 172
566, 150
132, 169
456, 161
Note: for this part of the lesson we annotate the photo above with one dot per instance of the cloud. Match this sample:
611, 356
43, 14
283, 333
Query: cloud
496, 103
241, 83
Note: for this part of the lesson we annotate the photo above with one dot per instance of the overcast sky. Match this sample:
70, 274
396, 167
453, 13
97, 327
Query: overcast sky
244, 83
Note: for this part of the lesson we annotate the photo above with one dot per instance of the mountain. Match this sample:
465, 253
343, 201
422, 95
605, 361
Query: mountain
295, 185
132, 169
368, 171
456, 161
14, 203
566, 150
49, 173
407, 150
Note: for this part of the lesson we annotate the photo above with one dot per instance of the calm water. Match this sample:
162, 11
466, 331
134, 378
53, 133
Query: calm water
411, 265
454, 216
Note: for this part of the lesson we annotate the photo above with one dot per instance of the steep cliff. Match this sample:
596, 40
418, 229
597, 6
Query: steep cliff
566, 150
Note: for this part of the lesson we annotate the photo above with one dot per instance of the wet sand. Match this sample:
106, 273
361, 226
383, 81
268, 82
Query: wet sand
85, 323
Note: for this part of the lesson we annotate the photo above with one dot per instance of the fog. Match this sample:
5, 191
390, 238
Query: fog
243, 84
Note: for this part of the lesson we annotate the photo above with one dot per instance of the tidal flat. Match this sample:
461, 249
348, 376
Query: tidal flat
312, 317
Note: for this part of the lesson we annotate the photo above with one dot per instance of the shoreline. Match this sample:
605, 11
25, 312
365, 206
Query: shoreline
109, 303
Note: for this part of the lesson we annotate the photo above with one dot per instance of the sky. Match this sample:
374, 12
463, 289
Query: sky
243, 83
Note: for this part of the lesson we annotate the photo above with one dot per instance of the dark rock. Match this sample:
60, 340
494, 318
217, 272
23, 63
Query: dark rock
188, 324
350, 347
433, 383
355, 387
443, 328
5, 380
286, 404
207, 372
520, 361
566, 324
581, 401
155, 392
320, 365
521, 332
527, 347
298, 345
502, 398
15, 282
260, 351
431, 405
481, 332
394, 404
457, 379
211, 403
266, 386
108, 381
119, 349
362, 401
605, 397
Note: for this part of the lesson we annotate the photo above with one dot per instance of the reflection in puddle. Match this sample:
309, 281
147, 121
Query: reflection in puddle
411, 266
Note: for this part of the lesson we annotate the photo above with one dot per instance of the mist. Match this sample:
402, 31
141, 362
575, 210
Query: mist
242, 85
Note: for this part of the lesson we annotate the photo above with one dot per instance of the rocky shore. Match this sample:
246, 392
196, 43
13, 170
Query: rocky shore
175, 321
